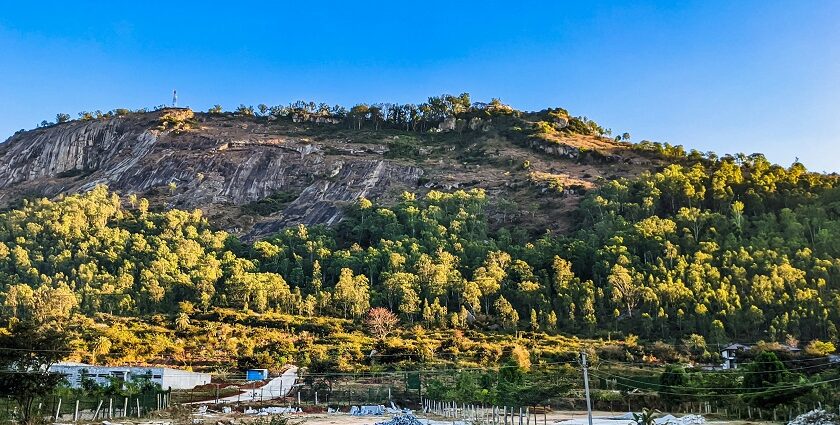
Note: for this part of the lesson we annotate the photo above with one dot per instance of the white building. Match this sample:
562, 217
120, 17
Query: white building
730, 355
167, 378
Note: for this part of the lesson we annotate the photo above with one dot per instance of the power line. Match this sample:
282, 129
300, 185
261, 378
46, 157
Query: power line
741, 393
673, 386
810, 359
730, 371
434, 371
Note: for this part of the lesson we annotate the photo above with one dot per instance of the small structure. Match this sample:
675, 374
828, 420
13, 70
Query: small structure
256, 374
730, 355
167, 378
733, 353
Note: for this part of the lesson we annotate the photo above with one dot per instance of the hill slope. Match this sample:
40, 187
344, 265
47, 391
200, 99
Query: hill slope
671, 246
255, 175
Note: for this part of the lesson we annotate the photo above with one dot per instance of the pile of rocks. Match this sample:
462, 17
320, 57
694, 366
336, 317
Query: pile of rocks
692, 420
685, 420
402, 420
816, 417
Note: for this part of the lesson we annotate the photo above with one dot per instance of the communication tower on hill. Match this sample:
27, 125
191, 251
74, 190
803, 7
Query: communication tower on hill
174, 98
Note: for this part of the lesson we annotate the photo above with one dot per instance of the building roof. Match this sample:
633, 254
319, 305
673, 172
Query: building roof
736, 346
86, 365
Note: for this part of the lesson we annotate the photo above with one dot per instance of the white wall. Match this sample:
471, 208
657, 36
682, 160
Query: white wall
165, 377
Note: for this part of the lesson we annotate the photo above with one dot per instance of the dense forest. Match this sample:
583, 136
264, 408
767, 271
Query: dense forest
728, 249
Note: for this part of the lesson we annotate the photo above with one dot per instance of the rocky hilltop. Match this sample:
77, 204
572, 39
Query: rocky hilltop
253, 176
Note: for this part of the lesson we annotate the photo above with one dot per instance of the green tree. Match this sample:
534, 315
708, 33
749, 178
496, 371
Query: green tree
351, 292
507, 314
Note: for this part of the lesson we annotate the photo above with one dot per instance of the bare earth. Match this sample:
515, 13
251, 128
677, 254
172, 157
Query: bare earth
551, 418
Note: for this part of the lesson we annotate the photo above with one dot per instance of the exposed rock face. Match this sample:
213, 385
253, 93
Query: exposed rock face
447, 124
215, 164
477, 123
564, 151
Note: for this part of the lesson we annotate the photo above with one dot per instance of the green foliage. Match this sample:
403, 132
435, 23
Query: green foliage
672, 384
768, 382
542, 127
244, 111
706, 251
32, 340
646, 417
583, 125
271, 204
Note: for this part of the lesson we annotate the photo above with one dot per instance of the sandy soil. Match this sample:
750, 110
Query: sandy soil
551, 418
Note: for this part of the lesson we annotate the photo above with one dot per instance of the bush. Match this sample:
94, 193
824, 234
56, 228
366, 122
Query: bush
543, 127
271, 204
819, 348
664, 352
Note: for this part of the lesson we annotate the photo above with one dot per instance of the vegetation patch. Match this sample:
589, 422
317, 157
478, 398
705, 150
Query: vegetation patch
271, 204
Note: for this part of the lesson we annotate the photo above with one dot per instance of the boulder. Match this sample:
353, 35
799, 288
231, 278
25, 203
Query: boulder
448, 124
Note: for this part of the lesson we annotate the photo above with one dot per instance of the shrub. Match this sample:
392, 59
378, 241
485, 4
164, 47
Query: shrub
271, 204
819, 348
543, 127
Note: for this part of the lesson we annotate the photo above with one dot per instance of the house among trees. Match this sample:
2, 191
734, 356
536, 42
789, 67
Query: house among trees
732, 354
167, 378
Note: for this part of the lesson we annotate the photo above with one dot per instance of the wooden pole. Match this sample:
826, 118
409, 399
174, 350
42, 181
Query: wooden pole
97, 410
137, 400
58, 410
125, 407
76, 412
110, 408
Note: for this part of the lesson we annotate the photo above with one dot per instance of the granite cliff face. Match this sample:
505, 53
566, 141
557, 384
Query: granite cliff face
252, 176
216, 165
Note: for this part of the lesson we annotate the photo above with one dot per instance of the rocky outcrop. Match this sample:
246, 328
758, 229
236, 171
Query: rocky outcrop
448, 124
211, 165
564, 151
322, 201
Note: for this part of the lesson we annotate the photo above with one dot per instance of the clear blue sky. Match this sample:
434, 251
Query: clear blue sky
728, 76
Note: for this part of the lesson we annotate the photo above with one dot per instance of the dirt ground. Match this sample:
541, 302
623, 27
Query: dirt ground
551, 418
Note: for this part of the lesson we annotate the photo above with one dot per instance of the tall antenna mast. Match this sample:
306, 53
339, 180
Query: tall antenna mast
174, 98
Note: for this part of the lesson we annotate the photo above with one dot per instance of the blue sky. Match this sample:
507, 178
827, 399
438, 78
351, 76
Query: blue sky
729, 76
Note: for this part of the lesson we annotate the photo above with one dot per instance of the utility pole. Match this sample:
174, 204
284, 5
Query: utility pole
586, 385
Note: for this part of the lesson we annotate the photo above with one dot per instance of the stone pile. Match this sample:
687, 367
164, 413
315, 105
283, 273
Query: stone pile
402, 420
816, 417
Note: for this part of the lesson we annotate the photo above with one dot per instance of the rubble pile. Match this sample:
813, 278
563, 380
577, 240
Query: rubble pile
406, 419
692, 420
273, 410
373, 410
685, 420
816, 417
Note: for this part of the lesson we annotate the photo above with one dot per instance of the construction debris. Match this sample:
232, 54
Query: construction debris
407, 419
272, 410
816, 417
628, 419
367, 410
685, 420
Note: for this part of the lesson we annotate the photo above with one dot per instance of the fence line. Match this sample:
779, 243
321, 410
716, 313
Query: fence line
68, 408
